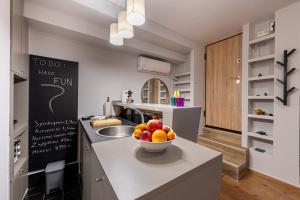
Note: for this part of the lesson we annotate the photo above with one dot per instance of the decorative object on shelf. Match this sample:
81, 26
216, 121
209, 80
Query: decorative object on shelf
129, 97
136, 12
260, 150
259, 111
259, 75
286, 73
261, 132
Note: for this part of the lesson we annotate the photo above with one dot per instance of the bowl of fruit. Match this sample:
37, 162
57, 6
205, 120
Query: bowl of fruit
153, 136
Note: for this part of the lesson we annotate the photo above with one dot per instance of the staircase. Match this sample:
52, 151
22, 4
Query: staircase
235, 157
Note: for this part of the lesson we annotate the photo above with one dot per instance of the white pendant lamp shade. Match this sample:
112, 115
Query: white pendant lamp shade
124, 28
114, 37
136, 12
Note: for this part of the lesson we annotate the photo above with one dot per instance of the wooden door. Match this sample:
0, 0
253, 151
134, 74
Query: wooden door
223, 92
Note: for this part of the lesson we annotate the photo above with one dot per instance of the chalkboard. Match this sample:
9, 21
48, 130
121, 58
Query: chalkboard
53, 104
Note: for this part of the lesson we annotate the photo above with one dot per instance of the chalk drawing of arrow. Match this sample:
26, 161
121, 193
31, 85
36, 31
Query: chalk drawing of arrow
61, 93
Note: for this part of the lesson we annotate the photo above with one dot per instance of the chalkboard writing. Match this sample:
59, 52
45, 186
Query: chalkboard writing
53, 102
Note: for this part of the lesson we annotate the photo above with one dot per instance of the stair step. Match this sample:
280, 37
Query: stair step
235, 157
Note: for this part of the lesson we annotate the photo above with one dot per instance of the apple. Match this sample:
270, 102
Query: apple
154, 124
146, 136
166, 129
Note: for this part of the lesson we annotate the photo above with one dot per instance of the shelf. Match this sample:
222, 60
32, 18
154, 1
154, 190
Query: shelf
269, 77
181, 82
185, 91
262, 58
261, 116
183, 74
264, 137
262, 39
187, 99
163, 91
261, 97
267, 152
19, 129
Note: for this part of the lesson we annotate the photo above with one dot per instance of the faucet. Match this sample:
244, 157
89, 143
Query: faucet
138, 111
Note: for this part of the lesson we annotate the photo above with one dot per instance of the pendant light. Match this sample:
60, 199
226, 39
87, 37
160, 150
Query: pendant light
124, 28
114, 37
136, 12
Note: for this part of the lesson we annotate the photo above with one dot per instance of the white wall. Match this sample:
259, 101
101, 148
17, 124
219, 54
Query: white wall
286, 123
102, 72
4, 103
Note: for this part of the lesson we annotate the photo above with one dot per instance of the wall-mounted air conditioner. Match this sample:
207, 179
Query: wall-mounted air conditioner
153, 66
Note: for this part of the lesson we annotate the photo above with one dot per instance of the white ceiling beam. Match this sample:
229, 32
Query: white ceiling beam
62, 20
110, 9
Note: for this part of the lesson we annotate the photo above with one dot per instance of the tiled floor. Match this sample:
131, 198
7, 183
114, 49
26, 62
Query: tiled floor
72, 191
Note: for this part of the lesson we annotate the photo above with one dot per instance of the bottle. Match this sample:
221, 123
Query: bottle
107, 107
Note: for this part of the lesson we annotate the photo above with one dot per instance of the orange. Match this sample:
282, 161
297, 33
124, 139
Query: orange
141, 127
171, 135
159, 136
137, 133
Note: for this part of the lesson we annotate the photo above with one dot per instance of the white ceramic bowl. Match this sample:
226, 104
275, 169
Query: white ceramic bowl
154, 146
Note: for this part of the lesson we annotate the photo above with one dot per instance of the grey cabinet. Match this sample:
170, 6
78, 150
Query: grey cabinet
95, 185
19, 40
20, 182
86, 168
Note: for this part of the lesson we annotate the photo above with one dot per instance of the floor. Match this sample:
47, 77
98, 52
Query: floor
255, 186
72, 191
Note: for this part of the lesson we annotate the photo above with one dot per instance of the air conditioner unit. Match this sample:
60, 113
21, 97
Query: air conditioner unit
153, 66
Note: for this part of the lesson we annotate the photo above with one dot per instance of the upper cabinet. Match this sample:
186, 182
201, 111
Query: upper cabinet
19, 40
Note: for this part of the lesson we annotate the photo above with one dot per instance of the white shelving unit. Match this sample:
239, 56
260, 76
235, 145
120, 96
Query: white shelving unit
183, 84
258, 88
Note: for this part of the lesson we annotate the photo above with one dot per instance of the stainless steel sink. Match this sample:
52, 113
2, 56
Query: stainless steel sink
116, 131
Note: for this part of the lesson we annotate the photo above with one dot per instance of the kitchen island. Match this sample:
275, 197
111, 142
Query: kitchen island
120, 169
185, 120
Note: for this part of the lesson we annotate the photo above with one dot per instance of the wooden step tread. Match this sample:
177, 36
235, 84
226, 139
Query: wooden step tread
230, 156
225, 138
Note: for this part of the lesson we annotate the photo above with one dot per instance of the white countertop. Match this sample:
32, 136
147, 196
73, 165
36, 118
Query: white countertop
134, 173
149, 106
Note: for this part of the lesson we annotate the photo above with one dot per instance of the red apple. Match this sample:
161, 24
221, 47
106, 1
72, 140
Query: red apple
146, 136
154, 124
166, 129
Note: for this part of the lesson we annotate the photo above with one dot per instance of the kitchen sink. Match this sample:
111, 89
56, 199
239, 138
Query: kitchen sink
116, 131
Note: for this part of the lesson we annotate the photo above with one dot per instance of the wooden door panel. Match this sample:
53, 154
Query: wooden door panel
223, 95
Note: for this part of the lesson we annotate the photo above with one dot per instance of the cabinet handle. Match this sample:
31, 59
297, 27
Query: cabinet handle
98, 179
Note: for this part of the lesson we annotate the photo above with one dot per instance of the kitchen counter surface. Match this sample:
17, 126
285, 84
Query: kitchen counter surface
149, 106
91, 132
134, 173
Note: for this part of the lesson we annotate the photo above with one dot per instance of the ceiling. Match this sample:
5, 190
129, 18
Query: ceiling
202, 21
209, 20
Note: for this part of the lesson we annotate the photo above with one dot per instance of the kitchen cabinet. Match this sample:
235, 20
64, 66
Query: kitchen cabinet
95, 184
19, 40
20, 182
86, 168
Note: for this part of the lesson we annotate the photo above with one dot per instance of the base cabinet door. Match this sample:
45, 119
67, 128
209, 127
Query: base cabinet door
20, 183
86, 166
101, 189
